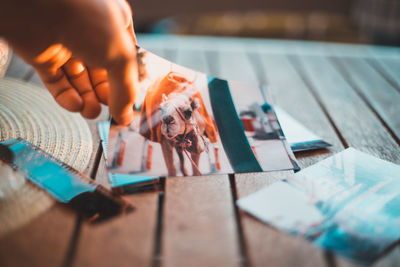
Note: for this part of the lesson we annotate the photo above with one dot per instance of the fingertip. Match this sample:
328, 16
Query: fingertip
123, 87
125, 118
103, 92
91, 107
70, 100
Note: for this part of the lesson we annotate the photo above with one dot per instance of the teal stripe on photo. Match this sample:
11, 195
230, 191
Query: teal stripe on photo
230, 128
118, 179
104, 129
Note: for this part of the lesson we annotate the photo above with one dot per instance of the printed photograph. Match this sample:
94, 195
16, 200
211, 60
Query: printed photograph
189, 124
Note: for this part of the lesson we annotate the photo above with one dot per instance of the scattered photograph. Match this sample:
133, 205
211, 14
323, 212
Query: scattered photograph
298, 136
348, 203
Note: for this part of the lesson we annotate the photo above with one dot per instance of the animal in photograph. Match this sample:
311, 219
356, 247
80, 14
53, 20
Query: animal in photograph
173, 114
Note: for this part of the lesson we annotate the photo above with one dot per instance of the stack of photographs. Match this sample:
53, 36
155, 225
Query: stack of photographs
187, 123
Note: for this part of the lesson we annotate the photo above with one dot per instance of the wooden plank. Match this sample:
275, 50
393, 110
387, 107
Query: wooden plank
115, 242
42, 242
184, 221
288, 91
266, 45
384, 51
198, 218
259, 238
358, 125
233, 65
374, 89
390, 67
198, 223
124, 241
157, 51
266, 244
391, 259
194, 59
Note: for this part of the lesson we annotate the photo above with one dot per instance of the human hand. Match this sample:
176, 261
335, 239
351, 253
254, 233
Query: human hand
83, 50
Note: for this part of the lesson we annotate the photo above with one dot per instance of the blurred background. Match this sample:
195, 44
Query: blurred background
350, 21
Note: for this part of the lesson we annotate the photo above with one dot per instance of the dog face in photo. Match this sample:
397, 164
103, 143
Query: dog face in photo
176, 112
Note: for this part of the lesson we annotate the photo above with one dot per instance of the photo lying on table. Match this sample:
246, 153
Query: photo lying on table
187, 123
298, 136
348, 204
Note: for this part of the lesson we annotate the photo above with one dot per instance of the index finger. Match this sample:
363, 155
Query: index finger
123, 80
122, 69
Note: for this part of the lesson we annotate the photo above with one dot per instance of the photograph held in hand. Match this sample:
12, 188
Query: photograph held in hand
187, 123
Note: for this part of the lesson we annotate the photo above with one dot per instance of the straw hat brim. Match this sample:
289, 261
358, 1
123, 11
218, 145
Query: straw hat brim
30, 112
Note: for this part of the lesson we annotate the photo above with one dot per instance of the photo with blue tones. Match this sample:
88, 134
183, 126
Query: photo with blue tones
348, 204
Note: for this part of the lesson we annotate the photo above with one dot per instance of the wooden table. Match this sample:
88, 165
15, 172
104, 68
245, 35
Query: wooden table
348, 94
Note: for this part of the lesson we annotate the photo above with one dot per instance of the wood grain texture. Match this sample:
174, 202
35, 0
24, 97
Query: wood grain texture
391, 67
234, 65
289, 92
392, 259
198, 232
42, 242
124, 241
375, 90
194, 59
356, 122
265, 243
198, 223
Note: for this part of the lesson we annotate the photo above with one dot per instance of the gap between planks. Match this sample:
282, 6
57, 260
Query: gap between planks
306, 81
375, 104
378, 66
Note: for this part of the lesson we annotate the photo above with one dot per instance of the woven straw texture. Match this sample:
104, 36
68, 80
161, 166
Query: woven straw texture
31, 113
